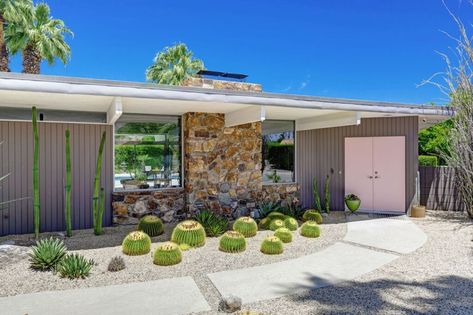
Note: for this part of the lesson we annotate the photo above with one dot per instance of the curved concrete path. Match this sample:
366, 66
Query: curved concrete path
339, 262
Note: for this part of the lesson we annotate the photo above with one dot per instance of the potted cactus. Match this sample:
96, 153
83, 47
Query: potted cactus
353, 202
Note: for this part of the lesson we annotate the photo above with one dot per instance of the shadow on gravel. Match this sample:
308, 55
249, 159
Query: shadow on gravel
444, 295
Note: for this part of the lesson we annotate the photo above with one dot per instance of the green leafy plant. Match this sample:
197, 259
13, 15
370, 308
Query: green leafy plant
47, 253
117, 263
315, 192
284, 234
75, 266
428, 160
312, 215
327, 194
246, 226
151, 225
214, 225
67, 197
310, 229
274, 177
232, 242
291, 224
36, 202
189, 232
98, 201
136, 243
272, 245
266, 208
276, 224
167, 254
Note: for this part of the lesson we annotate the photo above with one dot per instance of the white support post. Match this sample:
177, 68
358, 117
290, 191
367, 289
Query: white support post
114, 111
245, 115
329, 121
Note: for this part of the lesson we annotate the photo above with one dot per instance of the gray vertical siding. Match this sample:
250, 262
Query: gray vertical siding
321, 152
16, 158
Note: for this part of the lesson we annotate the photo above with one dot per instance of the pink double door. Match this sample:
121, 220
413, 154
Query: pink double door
375, 171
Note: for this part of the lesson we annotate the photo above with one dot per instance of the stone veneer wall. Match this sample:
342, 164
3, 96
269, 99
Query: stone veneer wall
279, 192
129, 206
222, 166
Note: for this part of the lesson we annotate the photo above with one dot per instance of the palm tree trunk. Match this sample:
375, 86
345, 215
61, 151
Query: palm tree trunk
31, 59
3, 48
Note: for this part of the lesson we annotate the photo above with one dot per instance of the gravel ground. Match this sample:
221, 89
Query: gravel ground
17, 278
436, 279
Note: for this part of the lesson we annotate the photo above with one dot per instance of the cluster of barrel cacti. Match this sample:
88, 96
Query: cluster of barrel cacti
189, 232
151, 225
136, 243
232, 242
167, 254
246, 226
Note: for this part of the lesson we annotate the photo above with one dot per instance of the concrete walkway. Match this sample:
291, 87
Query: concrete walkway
339, 262
168, 296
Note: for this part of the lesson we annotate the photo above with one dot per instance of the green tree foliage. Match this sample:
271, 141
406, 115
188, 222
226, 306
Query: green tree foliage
434, 140
173, 65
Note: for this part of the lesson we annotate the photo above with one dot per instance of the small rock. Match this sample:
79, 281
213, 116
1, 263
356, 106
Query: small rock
230, 304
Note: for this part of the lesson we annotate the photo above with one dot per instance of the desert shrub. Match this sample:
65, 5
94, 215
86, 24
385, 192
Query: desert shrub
117, 263
276, 224
428, 160
189, 232
312, 215
232, 242
246, 226
272, 245
214, 225
291, 224
75, 266
151, 225
310, 229
284, 234
136, 243
167, 254
47, 253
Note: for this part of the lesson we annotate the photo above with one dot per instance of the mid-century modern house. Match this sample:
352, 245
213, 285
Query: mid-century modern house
218, 143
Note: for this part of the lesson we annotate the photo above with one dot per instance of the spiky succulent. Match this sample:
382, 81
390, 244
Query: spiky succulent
276, 224
151, 225
214, 224
246, 226
310, 229
276, 215
189, 232
284, 234
312, 215
291, 224
47, 253
232, 242
264, 223
75, 266
136, 243
272, 245
167, 254
117, 263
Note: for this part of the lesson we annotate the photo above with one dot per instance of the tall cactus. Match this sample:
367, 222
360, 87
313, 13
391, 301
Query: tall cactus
36, 202
97, 212
67, 207
327, 194
315, 192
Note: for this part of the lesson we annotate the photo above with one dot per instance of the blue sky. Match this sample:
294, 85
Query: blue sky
361, 49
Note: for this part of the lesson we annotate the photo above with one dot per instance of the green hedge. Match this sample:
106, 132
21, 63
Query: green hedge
281, 156
428, 160
126, 156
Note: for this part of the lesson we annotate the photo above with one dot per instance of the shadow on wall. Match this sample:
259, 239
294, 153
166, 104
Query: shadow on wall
446, 294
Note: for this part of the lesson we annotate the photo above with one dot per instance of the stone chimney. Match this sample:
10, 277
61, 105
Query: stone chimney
206, 83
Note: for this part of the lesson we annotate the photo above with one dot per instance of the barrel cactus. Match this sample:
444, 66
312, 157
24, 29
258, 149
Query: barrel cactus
284, 234
276, 224
291, 224
151, 225
272, 245
310, 229
276, 215
167, 254
264, 224
232, 242
189, 232
246, 226
136, 243
312, 215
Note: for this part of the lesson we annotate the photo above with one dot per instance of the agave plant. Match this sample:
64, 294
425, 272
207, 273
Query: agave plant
214, 225
47, 254
75, 266
167, 254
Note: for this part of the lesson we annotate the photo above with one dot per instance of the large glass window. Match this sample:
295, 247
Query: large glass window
278, 151
147, 152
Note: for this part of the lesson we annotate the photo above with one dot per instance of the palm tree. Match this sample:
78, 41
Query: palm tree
39, 37
8, 13
173, 65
